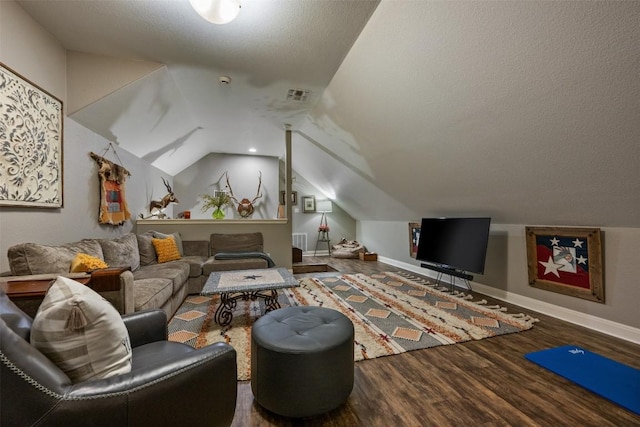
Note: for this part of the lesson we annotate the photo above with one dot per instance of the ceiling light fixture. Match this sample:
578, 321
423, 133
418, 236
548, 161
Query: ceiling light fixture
217, 11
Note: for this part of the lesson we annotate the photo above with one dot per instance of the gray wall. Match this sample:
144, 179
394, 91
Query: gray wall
506, 266
78, 218
341, 224
207, 175
25, 46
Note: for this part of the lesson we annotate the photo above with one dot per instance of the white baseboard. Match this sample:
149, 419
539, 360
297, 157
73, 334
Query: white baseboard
605, 326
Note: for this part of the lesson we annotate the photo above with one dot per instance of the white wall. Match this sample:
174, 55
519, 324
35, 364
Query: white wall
207, 175
78, 218
30, 51
341, 224
506, 267
84, 69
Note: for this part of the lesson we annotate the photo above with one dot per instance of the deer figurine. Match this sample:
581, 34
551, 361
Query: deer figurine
166, 200
245, 207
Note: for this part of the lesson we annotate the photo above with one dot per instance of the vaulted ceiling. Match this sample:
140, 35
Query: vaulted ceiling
528, 112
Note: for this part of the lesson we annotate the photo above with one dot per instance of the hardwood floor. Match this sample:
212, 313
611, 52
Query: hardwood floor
479, 383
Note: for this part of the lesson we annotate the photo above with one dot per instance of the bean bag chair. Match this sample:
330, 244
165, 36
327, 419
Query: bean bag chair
347, 249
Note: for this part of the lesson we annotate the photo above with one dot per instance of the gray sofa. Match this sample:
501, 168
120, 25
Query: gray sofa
222, 252
149, 284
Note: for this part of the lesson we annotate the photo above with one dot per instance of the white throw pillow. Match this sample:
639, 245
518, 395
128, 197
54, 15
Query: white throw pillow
81, 332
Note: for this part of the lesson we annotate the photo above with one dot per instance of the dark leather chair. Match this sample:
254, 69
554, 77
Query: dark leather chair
170, 383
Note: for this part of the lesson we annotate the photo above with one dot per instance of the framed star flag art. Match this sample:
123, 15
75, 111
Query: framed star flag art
414, 236
566, 260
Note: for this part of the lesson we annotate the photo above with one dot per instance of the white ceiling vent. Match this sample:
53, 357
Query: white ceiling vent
301, 95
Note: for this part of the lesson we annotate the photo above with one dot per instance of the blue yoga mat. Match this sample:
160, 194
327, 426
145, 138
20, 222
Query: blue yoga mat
610, 379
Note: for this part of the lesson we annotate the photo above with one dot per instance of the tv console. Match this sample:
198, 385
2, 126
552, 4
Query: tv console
452, 272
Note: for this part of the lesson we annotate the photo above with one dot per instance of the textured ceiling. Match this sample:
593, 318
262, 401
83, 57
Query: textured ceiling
181, 113
528, 112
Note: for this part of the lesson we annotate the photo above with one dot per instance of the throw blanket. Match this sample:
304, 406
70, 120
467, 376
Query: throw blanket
240, 255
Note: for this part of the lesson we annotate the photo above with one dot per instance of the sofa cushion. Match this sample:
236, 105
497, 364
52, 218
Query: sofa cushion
121, 251
83, 262
213, 265
196, 247
236, 242
166, 249
195, 264
152, 293
145, 248
33, 258
176, 271
241, 255
81, 332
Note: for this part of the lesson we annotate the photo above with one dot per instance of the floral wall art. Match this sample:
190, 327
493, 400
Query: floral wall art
30, 143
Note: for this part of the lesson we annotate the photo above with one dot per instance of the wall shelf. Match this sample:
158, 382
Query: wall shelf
225, 222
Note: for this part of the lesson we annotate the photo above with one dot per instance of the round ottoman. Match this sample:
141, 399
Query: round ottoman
302, 360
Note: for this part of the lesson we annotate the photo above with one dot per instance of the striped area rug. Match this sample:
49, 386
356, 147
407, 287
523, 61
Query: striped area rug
392, 313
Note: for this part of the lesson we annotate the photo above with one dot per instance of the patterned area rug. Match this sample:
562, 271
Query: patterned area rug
392, 313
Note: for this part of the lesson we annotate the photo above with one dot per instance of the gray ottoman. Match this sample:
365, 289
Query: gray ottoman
302, 360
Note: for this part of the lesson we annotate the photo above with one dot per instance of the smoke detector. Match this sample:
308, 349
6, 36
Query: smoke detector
224, 80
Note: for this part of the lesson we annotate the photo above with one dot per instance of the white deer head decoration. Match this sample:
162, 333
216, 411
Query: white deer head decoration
245, 207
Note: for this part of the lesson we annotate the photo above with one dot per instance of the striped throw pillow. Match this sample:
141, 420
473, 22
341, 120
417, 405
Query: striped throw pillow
81, 332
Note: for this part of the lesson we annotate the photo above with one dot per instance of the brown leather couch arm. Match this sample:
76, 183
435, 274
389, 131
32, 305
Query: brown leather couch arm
107, 279
116, 286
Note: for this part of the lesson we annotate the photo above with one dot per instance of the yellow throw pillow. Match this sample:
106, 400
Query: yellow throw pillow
166, 249
83, 262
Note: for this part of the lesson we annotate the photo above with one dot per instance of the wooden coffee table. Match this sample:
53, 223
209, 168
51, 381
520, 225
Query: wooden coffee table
247, 284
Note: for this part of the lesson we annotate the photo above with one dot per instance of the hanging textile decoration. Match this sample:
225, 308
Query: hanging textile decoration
113, 206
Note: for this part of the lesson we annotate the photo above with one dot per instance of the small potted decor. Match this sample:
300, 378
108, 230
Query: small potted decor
323, 229
217, 202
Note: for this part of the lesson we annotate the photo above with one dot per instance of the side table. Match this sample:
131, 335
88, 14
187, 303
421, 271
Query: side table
296, 254
28, 294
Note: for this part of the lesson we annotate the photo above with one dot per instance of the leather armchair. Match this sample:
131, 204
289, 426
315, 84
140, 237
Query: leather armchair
169, 384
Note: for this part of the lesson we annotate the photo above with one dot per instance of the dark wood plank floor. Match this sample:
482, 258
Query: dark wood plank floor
480, 383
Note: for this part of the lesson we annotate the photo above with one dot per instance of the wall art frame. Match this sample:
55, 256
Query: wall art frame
414, 237
294, 198
566, 260
31, 143
308, 204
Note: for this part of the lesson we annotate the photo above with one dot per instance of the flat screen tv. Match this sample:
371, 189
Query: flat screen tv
458, 244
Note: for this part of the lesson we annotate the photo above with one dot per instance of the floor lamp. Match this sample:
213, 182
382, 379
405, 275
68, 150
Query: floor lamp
324, 206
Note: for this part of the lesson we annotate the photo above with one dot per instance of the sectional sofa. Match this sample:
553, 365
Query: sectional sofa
148, 283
